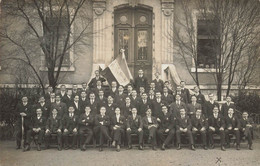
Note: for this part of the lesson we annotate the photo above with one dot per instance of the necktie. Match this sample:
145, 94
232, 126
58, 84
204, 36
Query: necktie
134, 116
38, 117
230, 115
54, 116
70, 114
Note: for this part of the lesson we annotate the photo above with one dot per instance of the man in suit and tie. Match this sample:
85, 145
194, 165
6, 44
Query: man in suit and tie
118, 128
68, 98
93, 103
75, 90
126, 108
183, 125
129, 90
23, 109
63, 92
158, 82
84, 88
59, 106
176, 106
86, 122
48, 93
150, 128
166, 126
199, 126
77, 106
134, 125
110, 106
120, 97
166, 97
98, 88
52, 98
93, 83
200, 97
102, 123
151, 97
45, 107
157, 106
141, 81
209, 105
83, 101
70, 126
225, 107
101, 99
53, 126
135, 99
143, 105
232, 127
113, 91
36, 128
216, 124
185, 92
246, 129
193, 106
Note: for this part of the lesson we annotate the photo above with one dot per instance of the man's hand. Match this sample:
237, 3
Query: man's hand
59, 130
47, 131
128, 129
212, 128
248, 125
83, 120
236, 129
159, 120
243, 129
34, 129
202, 129
221, 128
65, 130
167, 130
194, 129
140, 129
75, 130
23, 114
101, 123
86, 124
229, 128
185, 130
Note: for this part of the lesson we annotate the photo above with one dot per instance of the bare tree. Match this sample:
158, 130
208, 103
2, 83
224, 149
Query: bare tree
47, 28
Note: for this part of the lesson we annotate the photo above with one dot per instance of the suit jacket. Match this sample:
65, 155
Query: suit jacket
167, 121
113, 93
243, 122
86, 121
61, 108
38, 123
126, 111
175, 108
93, 107
225, 108
142, 107
200, 99
78, 110
26, 109
216, 123
193, 108
146, 124
158, 84
63, 97
93, 83
110, 110
105, 119
121, 123
134, 123
141, 82
233, 122
70, 123
53, 124
46, 109
135, 101
157, 108
120, 99
67, 100
209, 108
199, 123
186, 95
168, 99
83, 104
183, 123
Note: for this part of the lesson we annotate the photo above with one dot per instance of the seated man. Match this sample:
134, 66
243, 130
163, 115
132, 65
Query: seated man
86, 122
102, 122
183, 125
134, 125
247, 128
199, 126
53, 126
70, 126
118, 128
166, 127
232, 127
150, 127
36, 128
216, 125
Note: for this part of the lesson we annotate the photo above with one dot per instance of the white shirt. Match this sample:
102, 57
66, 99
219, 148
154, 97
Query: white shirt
117, 118
76, 104
230, 115
38, 116
134, 116
149, 119
215, 116
71, 115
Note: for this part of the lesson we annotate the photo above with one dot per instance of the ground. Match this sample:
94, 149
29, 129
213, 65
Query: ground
9, 156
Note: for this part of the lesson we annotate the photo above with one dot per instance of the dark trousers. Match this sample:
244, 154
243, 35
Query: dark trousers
117, 135
18, 134
66, 138
152, 135
134, 131
202, 134
248, 134
48, 137
170, 135
217, 131
234, 132
188, 133
31, 133
88, 132
102, 131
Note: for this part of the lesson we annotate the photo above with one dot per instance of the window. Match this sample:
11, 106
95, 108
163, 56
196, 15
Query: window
207, 43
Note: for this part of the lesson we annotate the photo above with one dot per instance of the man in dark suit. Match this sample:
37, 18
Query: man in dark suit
113, 91
118, 128
247, 128
110, 106
166, 126
36, 128
101, 99
59, 106
53, 126
135, 99
83, 101
199, 126
129, 90
134, 125
77, 106
93, 103
168, 85
166, 97
176, 106
85, 88
200, 98
98, 88
45, 107
75, 90
158, 82
232, 127
143, 105
141, 81
63, 92
52, 98
225, 107
216, 125
120, 97
86, 122
157, 105
68, 98
126, 108
48, 93
102, 123
23, 109
70, 126
183, 125
150, 127
93, 83
209, 106
185, 92
152, 87
193, 106
151, 97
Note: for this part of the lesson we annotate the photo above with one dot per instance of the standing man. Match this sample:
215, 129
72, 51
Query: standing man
166, 97
113, 91
143, 105
45, 107
210, 105
158, 82
59, 106
141, 81
200, 97
185, 92
93, 103
176, 106
134, 125
193, 106
225, 107
63, 92
93, 83
247, 128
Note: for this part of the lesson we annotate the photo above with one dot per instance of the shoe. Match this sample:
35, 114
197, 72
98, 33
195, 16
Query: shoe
74, 147
141, 147
238, 147
101, 149
118, 148
66, 148
27, 148
163, 147
228, 146
18, 147
178, 147
192, 147
212, 146
250, 147
154, 148
114, 144
223, 148
59, 148
38, 147
129, 147
205, 147
83, 148
149, 140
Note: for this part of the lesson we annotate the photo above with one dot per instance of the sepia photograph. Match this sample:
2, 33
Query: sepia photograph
129, 82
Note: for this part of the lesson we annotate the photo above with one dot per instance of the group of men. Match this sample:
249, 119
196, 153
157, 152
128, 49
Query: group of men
150, 111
